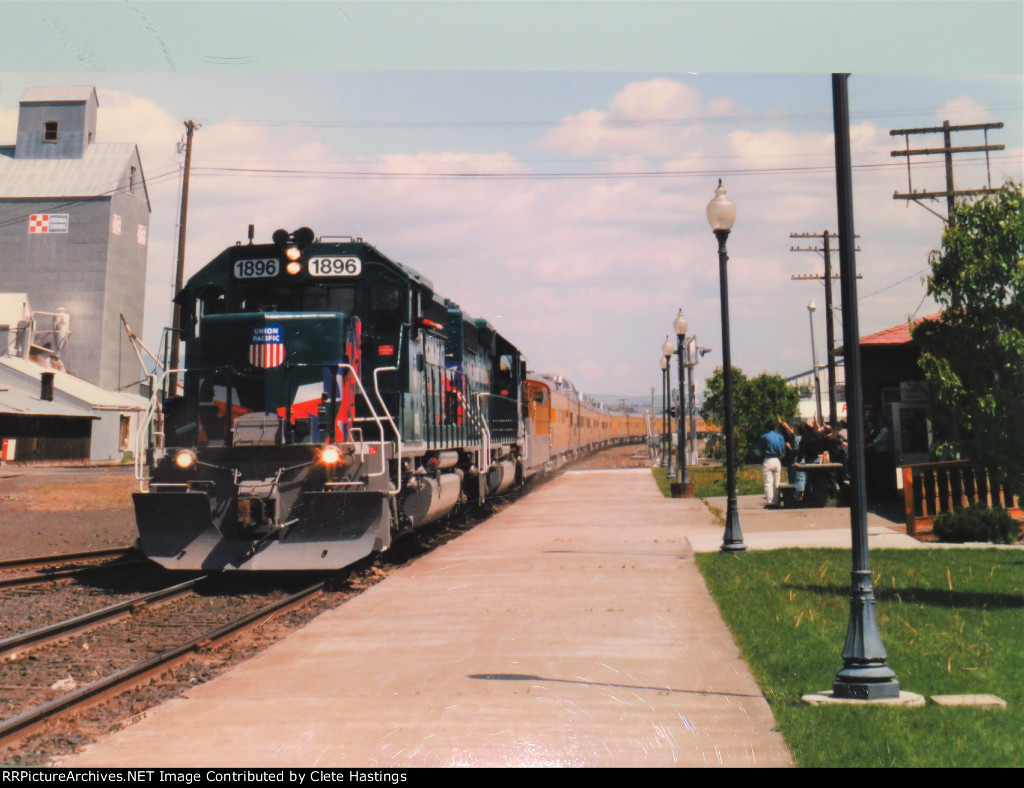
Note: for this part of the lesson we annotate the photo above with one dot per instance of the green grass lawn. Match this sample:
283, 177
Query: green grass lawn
951, 620
709, 481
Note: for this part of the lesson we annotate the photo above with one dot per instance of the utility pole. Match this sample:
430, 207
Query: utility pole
830, 338
179, 274
947, 150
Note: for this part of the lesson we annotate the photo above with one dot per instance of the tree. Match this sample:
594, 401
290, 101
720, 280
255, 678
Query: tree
755, 401
973, 355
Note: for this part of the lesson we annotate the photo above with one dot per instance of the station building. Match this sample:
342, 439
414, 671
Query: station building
74, 223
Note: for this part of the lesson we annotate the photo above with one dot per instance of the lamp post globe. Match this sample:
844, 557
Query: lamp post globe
721, 214
680, 325
721, 211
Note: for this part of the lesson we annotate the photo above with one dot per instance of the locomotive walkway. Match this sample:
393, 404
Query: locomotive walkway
572, 629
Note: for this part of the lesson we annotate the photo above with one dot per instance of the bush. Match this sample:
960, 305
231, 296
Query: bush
977, 523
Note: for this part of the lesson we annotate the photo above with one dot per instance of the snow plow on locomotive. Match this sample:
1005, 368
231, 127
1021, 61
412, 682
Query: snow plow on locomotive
329, 401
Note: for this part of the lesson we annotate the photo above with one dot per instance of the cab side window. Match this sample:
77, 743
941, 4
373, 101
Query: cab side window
209, 301
385, 313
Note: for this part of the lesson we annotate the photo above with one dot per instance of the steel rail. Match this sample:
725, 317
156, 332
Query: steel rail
24, 723
42, 577
38, 637
19, 563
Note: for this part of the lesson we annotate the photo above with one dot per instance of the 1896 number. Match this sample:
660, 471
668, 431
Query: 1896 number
335, 266
256, 269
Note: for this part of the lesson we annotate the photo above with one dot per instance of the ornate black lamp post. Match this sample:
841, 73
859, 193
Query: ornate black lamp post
680, 326
721, 213
663, 363
865, 674
667, 349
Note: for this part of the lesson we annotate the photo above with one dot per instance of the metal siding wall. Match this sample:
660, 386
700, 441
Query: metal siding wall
126, 288
72, 130
106, 436
93, 274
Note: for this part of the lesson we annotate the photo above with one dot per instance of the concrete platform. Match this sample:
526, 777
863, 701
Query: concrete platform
572, 629
770, 529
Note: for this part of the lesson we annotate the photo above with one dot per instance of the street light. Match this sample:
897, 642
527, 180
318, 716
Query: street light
814, 363
721, 213
667, 349
680, 326
865, 674
665, 454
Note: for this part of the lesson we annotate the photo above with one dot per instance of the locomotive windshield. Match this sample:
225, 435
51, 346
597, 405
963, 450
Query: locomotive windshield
316, 298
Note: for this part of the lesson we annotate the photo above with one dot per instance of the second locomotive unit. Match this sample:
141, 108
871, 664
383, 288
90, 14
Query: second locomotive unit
330, 401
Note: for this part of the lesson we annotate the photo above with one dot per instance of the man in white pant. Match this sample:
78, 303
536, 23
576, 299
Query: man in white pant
772, 448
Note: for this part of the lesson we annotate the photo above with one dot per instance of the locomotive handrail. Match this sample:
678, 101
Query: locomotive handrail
373, 412
142, 436
485, 431
391, 421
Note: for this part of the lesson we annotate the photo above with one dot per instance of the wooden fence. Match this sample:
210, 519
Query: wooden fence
931, 488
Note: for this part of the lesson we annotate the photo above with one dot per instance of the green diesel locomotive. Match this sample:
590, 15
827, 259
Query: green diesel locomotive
329, 400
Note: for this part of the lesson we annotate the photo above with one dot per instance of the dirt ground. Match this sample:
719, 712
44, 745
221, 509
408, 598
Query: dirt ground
66, 510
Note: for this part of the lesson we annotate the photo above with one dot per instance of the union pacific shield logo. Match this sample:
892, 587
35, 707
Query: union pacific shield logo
266, 347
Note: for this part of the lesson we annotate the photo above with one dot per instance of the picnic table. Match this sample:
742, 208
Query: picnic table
824, 483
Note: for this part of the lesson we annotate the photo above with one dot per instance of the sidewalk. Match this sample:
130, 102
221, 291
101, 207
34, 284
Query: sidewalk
770, 529
571, 629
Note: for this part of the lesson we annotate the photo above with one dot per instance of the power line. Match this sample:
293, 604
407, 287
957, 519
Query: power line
599, 119
894, 284
511, 176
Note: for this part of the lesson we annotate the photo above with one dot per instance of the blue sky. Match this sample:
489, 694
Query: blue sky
566, 206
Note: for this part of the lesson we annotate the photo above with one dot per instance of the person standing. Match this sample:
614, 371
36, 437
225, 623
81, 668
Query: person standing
772, 448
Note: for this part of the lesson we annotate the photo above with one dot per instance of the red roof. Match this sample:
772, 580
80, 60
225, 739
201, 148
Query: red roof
897, 335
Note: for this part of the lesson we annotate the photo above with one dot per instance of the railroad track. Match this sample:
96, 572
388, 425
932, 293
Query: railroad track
32, 719
14, 645
52, 567
63, 558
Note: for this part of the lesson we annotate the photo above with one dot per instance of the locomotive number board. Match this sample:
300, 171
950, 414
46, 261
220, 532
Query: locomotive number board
257, 269
335, 266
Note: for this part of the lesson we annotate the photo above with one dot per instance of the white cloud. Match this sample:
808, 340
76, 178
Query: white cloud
585, 275
8, 126
965, 109
655, 118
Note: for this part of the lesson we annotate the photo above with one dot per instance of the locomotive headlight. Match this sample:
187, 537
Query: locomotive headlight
294, 266
330, 455
293, 253
185, 459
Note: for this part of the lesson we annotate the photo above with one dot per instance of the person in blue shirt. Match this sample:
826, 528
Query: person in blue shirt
772, 448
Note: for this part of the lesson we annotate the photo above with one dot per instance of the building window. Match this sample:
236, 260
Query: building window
50, 131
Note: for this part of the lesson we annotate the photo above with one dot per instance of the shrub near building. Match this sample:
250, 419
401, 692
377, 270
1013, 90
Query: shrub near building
977, 523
